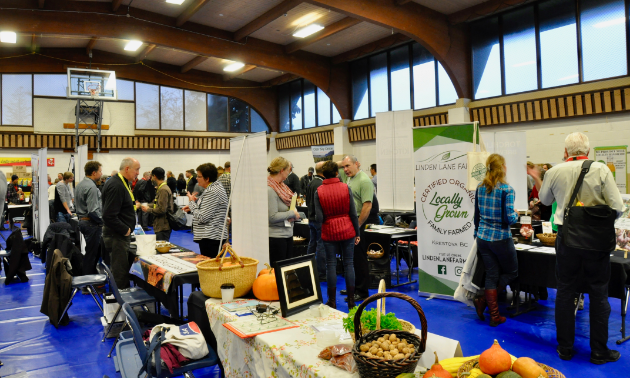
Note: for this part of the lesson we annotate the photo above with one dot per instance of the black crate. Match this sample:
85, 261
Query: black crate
376, 277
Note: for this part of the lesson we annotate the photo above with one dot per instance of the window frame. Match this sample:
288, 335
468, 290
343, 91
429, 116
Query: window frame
32, 97
287, 86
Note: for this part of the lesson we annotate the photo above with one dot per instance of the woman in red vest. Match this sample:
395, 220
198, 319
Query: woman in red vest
336, 213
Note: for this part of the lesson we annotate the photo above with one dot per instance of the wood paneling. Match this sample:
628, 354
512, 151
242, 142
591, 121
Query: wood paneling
368, 132
305, 140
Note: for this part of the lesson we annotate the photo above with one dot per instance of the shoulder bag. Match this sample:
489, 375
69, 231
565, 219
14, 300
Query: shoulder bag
589, 228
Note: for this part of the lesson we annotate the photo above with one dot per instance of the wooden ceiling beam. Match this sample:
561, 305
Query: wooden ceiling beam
116, 4
280, 80
483, 9
145, 52
194, 62
448, 43
193, 8
266, 18
231, 75
90, 45
371, 47
329, 30
34, 43
402, 2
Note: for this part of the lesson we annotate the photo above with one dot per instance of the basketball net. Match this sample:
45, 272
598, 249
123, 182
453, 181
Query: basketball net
94, 89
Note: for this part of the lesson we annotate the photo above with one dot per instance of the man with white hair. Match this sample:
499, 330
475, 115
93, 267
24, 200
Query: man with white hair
119, 219
598, 188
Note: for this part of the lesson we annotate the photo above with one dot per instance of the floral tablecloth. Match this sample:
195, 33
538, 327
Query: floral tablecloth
292, 352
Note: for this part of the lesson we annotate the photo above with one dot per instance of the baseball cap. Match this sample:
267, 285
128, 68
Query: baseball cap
311, 169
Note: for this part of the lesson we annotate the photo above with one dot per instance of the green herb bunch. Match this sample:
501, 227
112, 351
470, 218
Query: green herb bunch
368, 321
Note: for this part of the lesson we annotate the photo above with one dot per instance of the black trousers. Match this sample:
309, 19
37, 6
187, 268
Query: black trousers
163, 235
361, 266
572, 265
210, 247
280, 249
118, 248
92, 233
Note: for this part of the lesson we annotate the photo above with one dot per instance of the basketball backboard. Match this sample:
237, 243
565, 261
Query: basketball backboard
92, 84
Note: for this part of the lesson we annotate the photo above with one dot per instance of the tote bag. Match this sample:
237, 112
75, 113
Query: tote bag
476, 162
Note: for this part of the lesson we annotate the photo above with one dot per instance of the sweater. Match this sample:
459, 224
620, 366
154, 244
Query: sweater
118, 208
209, 213
335, 211
278, 213
162, 205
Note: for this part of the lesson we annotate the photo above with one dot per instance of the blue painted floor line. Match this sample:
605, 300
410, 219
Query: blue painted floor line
31, 347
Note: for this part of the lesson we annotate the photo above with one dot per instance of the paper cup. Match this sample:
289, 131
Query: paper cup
227, 295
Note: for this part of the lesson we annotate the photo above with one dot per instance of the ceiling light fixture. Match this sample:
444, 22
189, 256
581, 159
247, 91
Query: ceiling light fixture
133, 45
8, 37
178, 2
233, 67
306, 31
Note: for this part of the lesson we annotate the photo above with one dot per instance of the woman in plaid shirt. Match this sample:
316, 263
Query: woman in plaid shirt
494, 213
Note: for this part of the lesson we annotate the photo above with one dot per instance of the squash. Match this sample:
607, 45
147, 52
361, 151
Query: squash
495, 360
453, 364
437, 370
508, 374
266, 288
528, 368
263, 271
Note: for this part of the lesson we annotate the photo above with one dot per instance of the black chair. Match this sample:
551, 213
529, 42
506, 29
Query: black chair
89, 281
130, 352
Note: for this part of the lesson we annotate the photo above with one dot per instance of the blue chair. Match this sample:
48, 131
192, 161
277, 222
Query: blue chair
134, 297
131, 355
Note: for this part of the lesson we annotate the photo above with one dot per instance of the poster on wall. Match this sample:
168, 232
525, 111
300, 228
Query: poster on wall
323, 153
616, 158
444, 207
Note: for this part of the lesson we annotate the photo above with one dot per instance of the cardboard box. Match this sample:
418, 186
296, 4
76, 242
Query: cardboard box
19, 168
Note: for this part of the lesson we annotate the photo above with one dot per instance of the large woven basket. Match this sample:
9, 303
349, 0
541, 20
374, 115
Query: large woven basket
380, 310
241, 273
546, 240
474, 363
373, 367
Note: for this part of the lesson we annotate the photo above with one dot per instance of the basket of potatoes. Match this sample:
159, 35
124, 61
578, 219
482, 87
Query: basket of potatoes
387, 353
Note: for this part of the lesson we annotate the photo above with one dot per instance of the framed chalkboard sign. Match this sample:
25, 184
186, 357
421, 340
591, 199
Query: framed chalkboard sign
298, 284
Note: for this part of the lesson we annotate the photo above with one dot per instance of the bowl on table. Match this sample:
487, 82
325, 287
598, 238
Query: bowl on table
163, 247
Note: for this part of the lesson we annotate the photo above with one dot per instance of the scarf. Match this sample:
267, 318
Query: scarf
281, 190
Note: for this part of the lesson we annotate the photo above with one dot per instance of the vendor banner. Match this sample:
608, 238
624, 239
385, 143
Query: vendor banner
11, 161
323, 153
616, 158
444, 207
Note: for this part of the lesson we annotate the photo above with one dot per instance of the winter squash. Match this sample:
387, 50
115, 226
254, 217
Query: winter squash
264, 271
437, 370
495, 360
265, 287
508, 374
528, 368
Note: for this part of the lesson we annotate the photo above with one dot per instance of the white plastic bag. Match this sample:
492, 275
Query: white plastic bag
476, 161
146, 245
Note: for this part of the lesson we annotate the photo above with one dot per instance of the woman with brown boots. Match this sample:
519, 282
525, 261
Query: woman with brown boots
494, 213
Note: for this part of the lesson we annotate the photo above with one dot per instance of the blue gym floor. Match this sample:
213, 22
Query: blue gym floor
31, 347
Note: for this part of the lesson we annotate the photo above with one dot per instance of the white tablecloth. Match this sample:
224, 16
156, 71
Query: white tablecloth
292, 352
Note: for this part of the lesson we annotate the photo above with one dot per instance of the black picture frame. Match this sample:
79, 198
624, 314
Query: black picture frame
298, 284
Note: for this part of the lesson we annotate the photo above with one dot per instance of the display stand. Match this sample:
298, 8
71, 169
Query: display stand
39, 194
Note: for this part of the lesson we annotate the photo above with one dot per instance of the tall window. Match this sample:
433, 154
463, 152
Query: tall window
217, 113
519, 45
303, 105
400, 83
171, 108
558, 43
195, 111
147, 106
424, 78
486, 58
17, 100
360, 94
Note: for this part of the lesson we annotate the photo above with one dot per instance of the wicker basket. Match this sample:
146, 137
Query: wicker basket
373, 367
378, 255
380, 309
547, 240
474, 363
212, 273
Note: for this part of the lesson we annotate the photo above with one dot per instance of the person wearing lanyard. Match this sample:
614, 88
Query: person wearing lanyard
89, 211
191, 181
162, 204
119, 219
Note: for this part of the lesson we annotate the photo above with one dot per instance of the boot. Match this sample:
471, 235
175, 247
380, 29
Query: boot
495, 317
480, 306
350, 301
332, 297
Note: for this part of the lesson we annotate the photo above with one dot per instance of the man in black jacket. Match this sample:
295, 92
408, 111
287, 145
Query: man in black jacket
171, 182
306, 180
191, 181
119, 218
315, 243
144, 192
293, 182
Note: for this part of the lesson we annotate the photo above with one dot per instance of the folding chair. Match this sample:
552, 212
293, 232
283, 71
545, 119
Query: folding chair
88, 281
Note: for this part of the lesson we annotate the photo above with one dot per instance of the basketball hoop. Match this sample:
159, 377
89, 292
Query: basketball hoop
93, 87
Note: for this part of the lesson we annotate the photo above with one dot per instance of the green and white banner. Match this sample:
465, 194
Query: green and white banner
444, 207
616, 158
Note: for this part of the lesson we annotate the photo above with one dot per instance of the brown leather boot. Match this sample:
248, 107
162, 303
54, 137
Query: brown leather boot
480, 306
491, 299
350, 291
332, 297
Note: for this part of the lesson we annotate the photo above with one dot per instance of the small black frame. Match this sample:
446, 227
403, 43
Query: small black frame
298, 274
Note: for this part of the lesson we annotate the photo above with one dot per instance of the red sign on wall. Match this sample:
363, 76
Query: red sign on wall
50, 162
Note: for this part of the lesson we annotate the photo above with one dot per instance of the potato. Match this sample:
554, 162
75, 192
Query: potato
373, 350
407, 355
380, 339
399, 356
394, 352
405, 350
379, 353
364, 348
369, 354
392, 337
403, 341
387, 355
392, 347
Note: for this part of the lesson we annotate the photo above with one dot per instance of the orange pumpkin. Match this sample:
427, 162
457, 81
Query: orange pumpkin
528, 368
265, 287
263, 271
495, 360
437, 370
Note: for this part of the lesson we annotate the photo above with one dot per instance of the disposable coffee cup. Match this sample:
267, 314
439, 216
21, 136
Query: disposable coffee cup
227, 292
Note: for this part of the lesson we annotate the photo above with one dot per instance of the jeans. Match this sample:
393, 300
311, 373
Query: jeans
573, 265
63, 217
210, 247
499, 258
346, 249
316, 246
117, 246
280, 249
163, 235
92, 233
